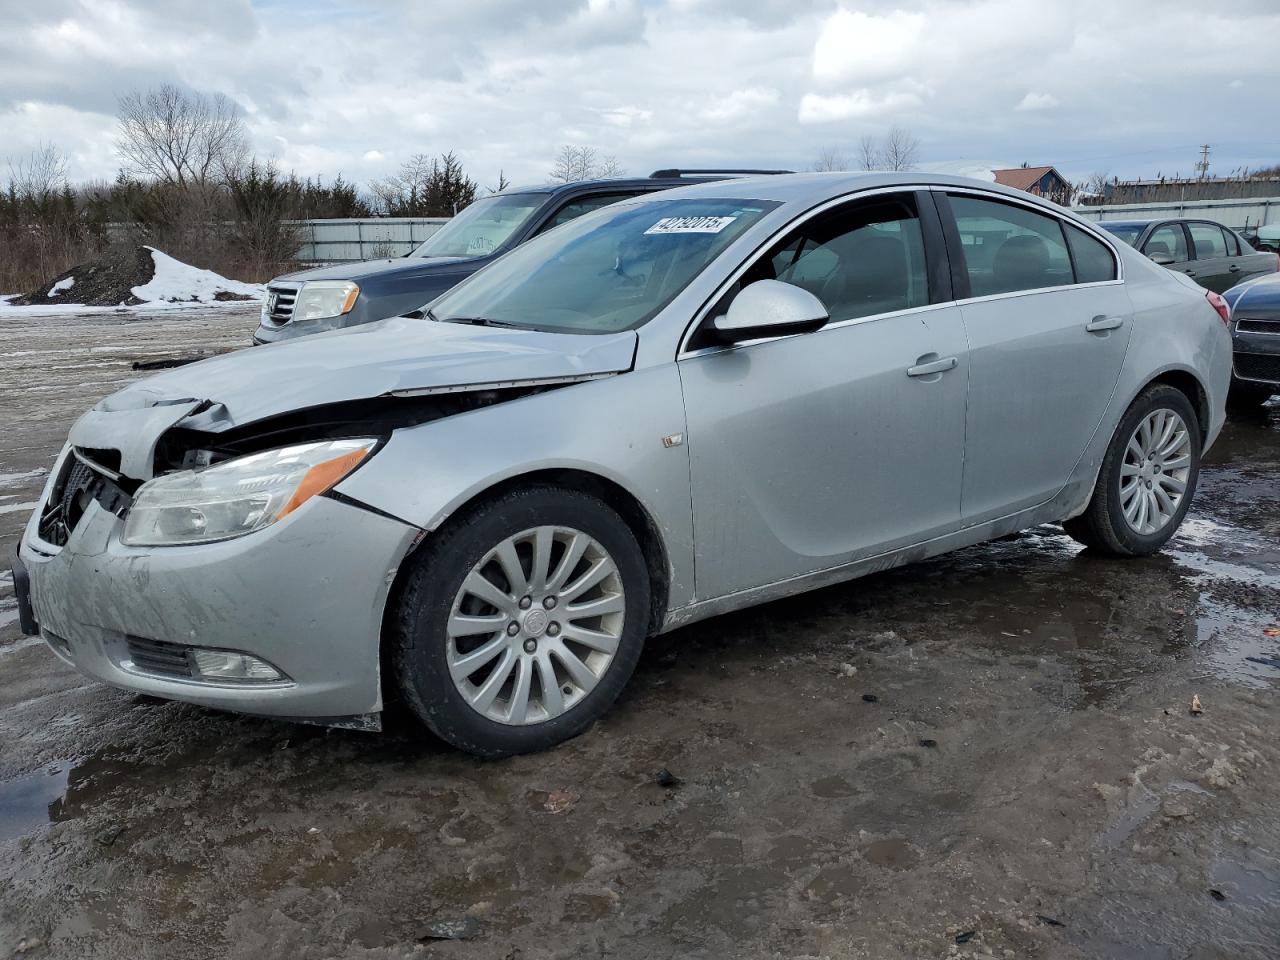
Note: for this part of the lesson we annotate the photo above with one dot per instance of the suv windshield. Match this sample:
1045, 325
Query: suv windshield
1128, 232
610, 270
482, 227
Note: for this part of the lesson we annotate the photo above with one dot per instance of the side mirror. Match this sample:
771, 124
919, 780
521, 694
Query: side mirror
1162, 258
770, 308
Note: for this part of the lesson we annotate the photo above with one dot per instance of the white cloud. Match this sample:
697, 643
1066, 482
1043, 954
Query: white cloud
1037, 101
332, 85
857, 105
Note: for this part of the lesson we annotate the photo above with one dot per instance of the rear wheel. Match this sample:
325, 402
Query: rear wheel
1147, 479
519, 625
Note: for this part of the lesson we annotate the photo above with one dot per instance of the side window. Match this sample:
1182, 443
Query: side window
1009, 248
576, 208
1169, 241
1094, 262
862, 259
1208, 240
1233, 242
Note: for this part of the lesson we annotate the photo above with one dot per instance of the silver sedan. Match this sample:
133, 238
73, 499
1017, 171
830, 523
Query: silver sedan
676, 406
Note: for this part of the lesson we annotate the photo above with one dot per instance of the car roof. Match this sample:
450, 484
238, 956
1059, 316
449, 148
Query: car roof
605, 184
1107, 224
809, 188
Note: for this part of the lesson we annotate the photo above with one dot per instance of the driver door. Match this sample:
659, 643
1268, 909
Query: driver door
811, 451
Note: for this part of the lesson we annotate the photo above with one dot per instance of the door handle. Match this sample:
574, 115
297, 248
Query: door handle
934, 366
1233, 269
1100, 324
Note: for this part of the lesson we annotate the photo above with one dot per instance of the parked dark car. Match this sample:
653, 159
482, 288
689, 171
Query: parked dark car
349, 294
1255, 339
1212, 255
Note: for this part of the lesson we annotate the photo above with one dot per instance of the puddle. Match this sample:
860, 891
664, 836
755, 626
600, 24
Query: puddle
1229, 637
894, 853
25, 802
1251, 884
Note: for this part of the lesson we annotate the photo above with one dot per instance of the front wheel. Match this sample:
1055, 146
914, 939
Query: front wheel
519, 624
1147, 479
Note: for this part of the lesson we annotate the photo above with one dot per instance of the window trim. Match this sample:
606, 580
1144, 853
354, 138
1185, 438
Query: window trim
1178, 224
1194, 248
700, 315
950, 235
1034, 208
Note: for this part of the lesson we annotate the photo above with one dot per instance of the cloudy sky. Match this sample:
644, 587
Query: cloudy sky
332, 86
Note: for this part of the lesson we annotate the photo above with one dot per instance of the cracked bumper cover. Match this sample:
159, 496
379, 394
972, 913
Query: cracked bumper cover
306, 594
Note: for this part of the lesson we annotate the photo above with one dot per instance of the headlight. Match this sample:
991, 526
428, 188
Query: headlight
239, 496
325, 298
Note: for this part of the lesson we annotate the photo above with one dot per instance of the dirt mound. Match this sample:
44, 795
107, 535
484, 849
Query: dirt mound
107, 281
127, 276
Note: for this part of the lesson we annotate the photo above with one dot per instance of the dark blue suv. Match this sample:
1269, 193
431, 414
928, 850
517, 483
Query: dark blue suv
347, 294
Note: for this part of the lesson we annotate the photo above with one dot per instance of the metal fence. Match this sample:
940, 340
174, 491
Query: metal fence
1248, 213
336, 241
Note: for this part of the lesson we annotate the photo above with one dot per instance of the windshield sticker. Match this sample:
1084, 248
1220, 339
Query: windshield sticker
690, 225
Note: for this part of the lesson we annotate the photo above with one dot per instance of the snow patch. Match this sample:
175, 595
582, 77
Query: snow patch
66, 283
178, 282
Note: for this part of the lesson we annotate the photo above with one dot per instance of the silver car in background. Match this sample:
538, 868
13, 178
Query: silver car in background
673, 407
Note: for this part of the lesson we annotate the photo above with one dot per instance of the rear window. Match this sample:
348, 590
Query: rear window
1093, 260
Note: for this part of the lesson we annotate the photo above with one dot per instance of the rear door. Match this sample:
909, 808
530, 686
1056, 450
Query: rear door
1048, 324
1244, 261
1213, 266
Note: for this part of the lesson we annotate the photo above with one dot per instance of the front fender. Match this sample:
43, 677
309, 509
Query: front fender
613, 428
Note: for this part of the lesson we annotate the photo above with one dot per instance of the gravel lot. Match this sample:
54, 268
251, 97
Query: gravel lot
986, 754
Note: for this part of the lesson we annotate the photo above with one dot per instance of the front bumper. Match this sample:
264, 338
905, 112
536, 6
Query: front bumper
277, 333
306, 594
1256, 356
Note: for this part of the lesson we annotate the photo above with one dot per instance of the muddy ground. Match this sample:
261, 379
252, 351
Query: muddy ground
989, 754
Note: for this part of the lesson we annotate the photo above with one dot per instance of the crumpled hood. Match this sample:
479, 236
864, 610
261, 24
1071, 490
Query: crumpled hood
400, 355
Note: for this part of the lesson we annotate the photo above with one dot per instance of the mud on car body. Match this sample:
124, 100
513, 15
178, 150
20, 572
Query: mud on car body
672, 407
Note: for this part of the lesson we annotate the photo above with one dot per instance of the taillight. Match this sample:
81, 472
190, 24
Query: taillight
1216, 301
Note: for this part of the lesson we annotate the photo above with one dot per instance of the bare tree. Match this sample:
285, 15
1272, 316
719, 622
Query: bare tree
40, 175
831, 158
868, 153
181, 137
1097, 182
583, 163
901, 149
425, 187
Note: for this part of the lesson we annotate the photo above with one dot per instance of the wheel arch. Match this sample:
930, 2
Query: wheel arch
627, 505
1189, 385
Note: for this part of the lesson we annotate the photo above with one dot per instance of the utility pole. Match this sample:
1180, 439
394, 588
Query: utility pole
1203, 165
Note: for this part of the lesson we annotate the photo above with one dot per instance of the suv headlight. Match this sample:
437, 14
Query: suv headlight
238, 496
325, 298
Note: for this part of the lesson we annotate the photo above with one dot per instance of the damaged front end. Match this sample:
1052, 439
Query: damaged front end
140, 566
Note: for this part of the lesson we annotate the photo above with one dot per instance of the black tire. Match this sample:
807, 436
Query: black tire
417, 634
1247, 397
1102, 527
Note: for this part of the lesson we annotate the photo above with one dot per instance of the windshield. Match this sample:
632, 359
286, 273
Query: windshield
482, 227
1128, 232
609, 270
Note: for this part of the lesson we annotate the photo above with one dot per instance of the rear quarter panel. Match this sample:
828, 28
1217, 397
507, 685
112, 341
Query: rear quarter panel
1174, 330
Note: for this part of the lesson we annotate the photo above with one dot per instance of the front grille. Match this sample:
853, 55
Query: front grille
1258, 366
157, 656
1259, 326
77, 486
280, 301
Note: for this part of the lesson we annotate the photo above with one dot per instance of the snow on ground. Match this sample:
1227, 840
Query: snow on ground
174, 285
64, 284
178, 281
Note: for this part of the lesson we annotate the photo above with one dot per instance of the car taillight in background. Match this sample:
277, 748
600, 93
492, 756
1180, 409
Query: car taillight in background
1216, 301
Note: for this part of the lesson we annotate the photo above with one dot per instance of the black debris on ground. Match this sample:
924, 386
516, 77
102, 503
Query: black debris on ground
666, 778
107, 281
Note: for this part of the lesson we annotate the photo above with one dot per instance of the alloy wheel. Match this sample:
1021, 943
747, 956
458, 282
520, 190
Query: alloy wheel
535, 625
1155, 471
